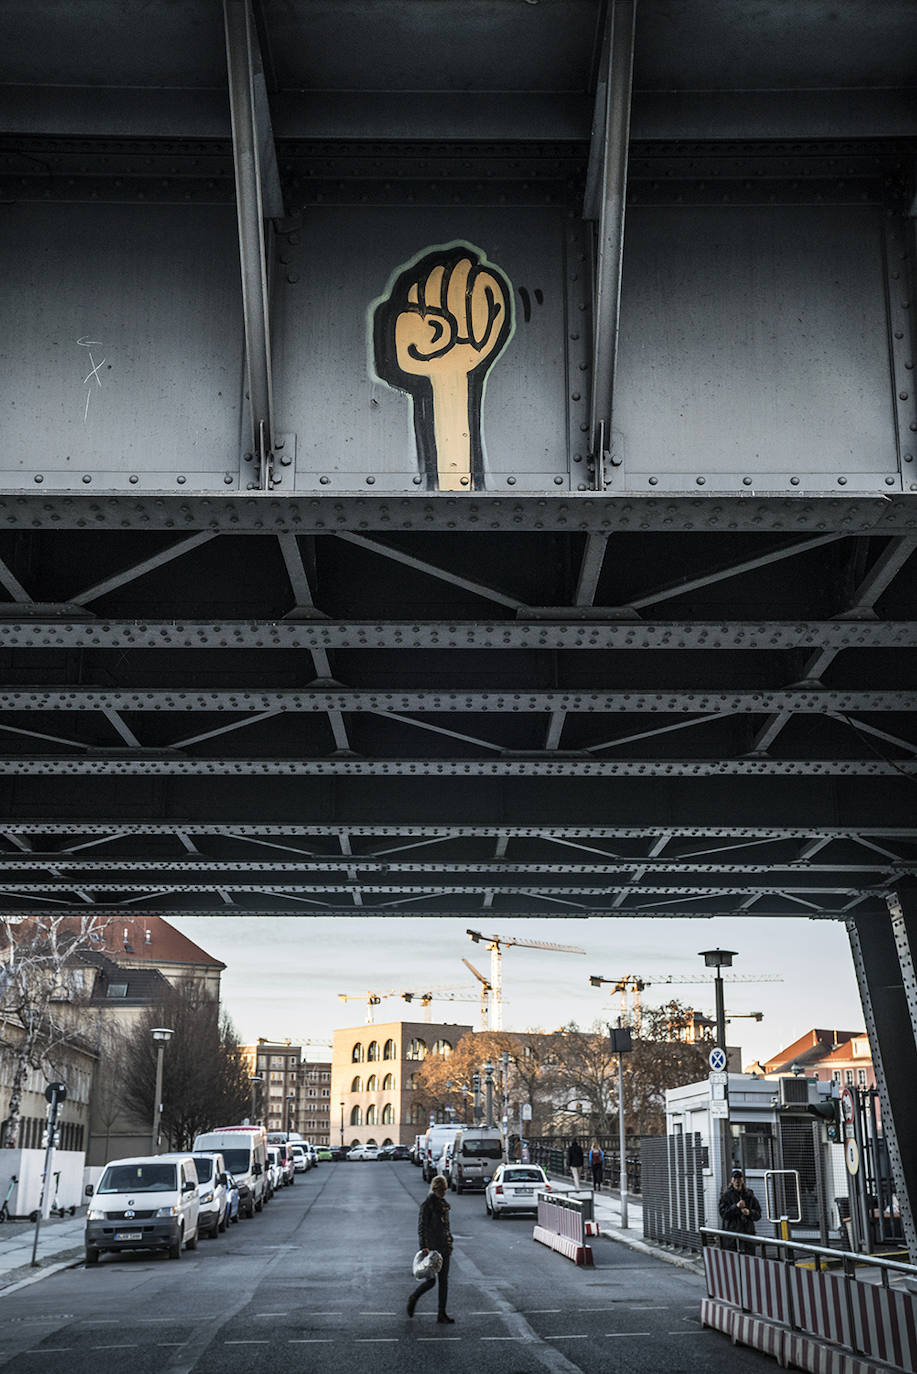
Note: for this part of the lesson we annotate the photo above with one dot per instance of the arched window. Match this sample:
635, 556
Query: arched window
372, 1083
372, 1118
356, 1116
357, 1085
411, 1082
409, 1116
373, 1051
388, 1083
357, 1054
388, 1115
442, 1047
388, 1051
417, 1049
371, 1141
387, 1140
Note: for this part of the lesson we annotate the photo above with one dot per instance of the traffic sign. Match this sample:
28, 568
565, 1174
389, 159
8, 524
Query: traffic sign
717, 1059
718, 1076
719, 1109
852, 1156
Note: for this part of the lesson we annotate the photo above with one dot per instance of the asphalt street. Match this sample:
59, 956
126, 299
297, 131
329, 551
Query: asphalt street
319, 1281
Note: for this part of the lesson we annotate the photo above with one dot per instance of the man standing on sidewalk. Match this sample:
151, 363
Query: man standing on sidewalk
575, 1160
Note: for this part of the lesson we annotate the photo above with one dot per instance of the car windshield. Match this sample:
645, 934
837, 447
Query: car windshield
298, 1150
523, 1176
204, 1168
238, 1161
138, 1178
483, 1149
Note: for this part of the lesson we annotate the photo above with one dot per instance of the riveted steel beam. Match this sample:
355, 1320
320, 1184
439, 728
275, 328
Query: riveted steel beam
119, 827
579, 631
150, 763
35, 861
894, 1054
249, 143
449, 700
544, 891
591, 512
612, 134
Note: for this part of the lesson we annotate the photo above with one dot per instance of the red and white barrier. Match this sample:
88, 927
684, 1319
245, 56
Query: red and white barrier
885, 1322
564, 1245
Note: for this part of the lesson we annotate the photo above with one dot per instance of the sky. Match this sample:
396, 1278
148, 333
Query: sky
283, 975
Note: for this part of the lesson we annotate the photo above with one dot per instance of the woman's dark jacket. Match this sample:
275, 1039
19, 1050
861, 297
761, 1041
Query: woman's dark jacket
433, 1225
575, 1155
732, 1218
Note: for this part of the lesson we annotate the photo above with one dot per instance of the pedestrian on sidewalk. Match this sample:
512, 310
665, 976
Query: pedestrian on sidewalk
575, 1160
597, 1164
739, 1210
433, 1233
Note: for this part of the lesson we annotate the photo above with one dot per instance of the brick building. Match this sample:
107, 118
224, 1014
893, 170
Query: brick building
843, 1057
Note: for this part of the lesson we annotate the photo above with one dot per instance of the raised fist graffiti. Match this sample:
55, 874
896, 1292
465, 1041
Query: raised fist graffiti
436, 334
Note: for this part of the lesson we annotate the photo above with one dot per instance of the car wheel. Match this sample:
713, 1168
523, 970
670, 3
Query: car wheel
92, 1255
191, 1243
175, 1247
222, 1223
259, 1205
487, 1207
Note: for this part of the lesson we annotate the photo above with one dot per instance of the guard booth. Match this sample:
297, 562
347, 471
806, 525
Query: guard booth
772, 1131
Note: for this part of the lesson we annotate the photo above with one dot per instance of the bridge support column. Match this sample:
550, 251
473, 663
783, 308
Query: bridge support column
885, 955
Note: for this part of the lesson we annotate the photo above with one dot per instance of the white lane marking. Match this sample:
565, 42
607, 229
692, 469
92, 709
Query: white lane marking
376, 1340
504, 1338
539, 1311
378, 1314
246, 1342
633, 1307
309, 1340
627, 1333
48, 1350
324, 1314
565, 1338
701, 1332
270, 1314
439, 1338
132, 1346
491, 1312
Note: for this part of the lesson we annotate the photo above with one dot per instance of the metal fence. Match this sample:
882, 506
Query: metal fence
673, 1190
551, 1154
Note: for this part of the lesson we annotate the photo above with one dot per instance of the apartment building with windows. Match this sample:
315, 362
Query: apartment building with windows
838, 1056
372, 1079
293, 1093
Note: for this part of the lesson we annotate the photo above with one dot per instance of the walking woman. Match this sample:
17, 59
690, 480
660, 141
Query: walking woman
433, 1234
597, 1162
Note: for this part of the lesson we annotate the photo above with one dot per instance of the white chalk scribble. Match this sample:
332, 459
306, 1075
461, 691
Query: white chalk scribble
93, 374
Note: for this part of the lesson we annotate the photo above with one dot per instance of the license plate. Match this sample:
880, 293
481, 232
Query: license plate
523, 1192
128, 1235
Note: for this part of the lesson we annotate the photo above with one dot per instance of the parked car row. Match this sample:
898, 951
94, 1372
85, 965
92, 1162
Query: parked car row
377, 1152
168, 1201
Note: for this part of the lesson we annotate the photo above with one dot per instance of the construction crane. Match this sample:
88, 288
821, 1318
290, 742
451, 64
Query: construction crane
431, 994
496, 944
631, 986
486, 990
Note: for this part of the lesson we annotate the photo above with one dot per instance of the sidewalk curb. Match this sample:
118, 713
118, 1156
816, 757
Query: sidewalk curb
642, 1248
66, 1260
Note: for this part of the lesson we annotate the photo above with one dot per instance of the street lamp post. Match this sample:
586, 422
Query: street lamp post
719, 959
342, 1125
488, 1094
161, 1037
254, 1079
291, 1100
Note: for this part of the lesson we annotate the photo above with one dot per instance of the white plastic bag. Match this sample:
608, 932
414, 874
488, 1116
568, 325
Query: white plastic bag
425, 1266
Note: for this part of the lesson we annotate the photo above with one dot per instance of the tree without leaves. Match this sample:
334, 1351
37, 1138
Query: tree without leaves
42, 986
529, 1076
204, 1080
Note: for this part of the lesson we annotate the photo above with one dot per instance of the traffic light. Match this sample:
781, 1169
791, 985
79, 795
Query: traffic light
828, 1111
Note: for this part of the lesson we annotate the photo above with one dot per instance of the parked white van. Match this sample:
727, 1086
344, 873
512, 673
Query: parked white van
433, 1143
244, 1151
149, 1202
477, 1150
211, 1192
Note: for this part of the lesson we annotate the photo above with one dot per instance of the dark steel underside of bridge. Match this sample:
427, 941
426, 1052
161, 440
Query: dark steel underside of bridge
658, 659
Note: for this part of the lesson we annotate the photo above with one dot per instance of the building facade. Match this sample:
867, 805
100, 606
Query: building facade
838, 1056
373, 1070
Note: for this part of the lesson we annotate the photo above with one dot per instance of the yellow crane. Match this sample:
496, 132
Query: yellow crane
631, 986
486, 990
496, 944
432, 993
